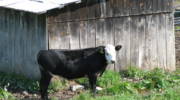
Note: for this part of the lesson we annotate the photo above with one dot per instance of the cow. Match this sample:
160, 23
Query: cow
73, 64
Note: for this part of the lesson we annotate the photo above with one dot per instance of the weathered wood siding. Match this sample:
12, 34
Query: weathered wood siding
143, 27
22, 35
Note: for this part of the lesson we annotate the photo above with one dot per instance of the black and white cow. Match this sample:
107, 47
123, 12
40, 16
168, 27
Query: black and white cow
72, 64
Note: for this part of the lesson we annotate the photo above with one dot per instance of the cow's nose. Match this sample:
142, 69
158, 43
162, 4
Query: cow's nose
113, 62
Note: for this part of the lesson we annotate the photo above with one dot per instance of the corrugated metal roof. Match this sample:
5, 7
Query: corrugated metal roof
35, 6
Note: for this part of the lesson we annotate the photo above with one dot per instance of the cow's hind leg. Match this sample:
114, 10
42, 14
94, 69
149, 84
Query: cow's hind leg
92, 82
44, 83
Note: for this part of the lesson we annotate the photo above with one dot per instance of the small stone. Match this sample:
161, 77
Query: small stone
99, 88
25, 92
76, 87
35, 95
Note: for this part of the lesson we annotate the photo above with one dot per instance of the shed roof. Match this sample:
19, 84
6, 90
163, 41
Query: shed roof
35, 6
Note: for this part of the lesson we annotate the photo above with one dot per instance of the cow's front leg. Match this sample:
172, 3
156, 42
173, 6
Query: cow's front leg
92, 82
44, 83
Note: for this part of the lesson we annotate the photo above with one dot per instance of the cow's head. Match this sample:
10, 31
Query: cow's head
110, 53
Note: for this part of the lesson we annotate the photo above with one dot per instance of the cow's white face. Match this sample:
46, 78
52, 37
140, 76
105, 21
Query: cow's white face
110, 54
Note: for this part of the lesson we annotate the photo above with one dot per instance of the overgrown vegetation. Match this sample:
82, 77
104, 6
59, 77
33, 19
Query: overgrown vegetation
136, 84
10, 83
132, 84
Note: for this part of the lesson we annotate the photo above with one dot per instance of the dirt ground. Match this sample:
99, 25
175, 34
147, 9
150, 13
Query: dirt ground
65, 94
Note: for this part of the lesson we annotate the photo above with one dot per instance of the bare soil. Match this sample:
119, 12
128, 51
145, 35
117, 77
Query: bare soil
65, 94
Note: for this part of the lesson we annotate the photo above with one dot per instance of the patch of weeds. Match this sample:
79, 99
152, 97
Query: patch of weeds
57, 84
109, 79
15, 83
83, 81
5, 95
53, 98
132, 72
121, 88
136, 84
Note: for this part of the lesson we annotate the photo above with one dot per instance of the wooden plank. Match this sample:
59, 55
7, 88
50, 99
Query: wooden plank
59, 37
83, 10
18, 48
6, 42
142, 6
158, 6
148, 6
170, 40
3, 40
74, 12
167, 6
170, 6
141, 40
151, 54
163, 9
125, 4
104, 32
122, 37
161, 41
74, 35
91, 33
58, 15
53, 36
100, 32
31, 43
134, 37
103, 8
109, 8
19, 35
117, 7
155, 6
134, 5
83, 34
93, 9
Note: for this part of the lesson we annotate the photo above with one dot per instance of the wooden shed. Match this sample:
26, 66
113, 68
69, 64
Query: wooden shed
143, 27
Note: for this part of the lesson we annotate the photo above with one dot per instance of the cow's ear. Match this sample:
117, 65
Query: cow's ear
101, 50
118, 47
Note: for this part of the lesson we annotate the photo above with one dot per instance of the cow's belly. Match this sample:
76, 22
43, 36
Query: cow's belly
70, 75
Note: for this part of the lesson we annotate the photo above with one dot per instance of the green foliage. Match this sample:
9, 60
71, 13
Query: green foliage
57, 84
109, 79
5, 95
133, 72
136, 84
18, 83
132, 84
122, 87
54, 98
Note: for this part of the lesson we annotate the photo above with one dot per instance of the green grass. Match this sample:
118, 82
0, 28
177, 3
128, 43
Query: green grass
5, 95
15, 83
177, 27
132, 84
136, 84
